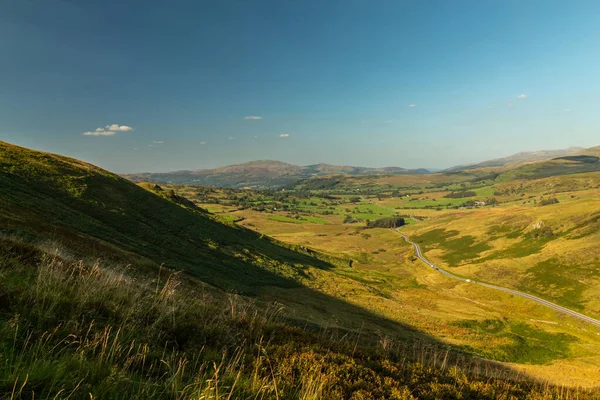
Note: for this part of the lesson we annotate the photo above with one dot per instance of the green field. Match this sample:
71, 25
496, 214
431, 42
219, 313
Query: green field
299, 220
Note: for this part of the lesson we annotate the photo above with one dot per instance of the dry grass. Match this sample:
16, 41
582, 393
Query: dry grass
81, 330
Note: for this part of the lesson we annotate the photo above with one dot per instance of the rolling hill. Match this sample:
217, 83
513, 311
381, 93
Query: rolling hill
518, 158
261, 174
581, 162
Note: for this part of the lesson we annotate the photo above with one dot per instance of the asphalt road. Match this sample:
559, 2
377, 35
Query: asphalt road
513, 292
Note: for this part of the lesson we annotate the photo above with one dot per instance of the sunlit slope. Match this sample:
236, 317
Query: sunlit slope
47, 195
549, 250
559, 166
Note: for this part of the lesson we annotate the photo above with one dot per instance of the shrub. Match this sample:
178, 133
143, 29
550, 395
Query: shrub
541, 233
548, 201
350, 219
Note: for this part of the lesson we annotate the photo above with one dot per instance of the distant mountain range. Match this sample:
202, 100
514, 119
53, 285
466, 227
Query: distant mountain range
263, 174
270, 174
519, 158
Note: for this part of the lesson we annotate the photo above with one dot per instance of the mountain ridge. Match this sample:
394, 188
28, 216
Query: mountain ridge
262, 174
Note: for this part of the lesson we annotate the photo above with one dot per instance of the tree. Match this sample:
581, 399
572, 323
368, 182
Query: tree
388, 222
350, 219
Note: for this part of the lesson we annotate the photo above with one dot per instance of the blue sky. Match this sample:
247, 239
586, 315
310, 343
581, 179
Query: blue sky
372, 83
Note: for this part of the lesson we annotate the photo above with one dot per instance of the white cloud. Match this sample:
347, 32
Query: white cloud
108, 130
118, 128
284, 135
100, 132
253, 117
491, 106
203, 142
412, 105
522, 96
157, 142
230, 137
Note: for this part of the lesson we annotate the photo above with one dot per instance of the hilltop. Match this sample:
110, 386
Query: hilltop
261, 174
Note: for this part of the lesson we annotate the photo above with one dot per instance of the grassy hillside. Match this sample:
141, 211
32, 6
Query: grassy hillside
519, 158
542, 239
52, 195
559, 166
72, 330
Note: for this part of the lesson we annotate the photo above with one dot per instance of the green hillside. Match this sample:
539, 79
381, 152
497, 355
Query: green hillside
559, 166
45, 194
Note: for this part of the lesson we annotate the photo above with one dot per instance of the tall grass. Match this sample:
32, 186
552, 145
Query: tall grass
73, 329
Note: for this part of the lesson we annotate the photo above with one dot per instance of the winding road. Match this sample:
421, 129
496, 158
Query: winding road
513, 292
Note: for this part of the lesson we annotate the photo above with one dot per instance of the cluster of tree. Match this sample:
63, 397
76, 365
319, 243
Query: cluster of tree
461, 194
548, 201
488, 177
351, 220
417, 217
387, 222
